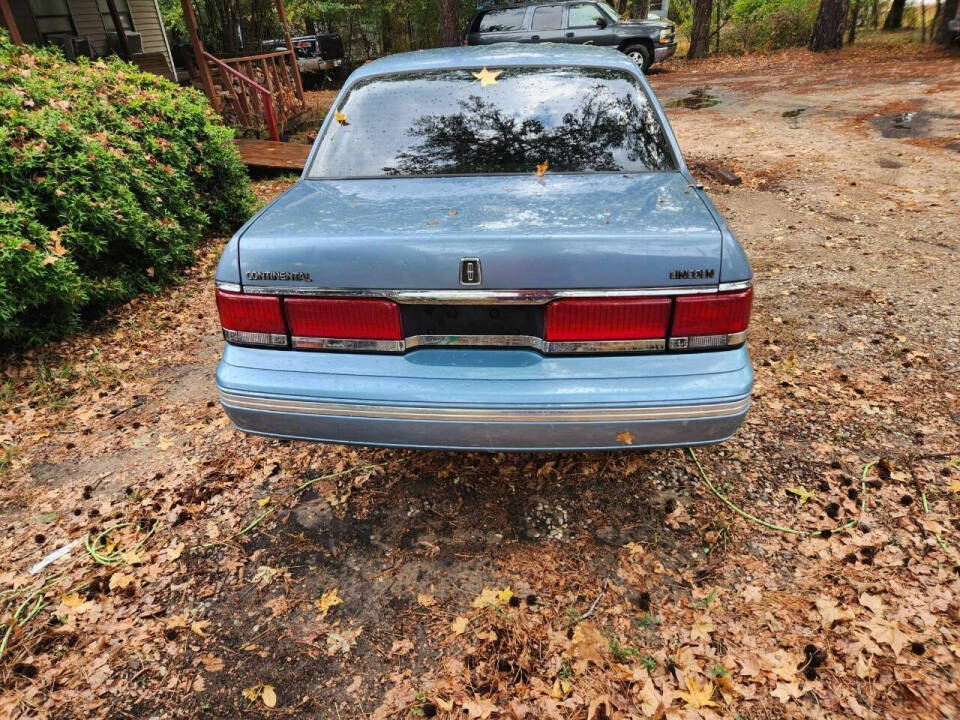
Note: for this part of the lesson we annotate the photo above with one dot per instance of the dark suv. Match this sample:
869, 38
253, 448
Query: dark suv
574, 21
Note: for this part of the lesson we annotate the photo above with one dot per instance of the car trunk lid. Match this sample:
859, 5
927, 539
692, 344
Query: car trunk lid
554, 232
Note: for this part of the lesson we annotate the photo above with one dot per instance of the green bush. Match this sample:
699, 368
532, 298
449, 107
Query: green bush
109, 177
768, 25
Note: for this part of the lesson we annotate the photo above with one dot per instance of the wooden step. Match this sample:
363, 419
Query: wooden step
271, 154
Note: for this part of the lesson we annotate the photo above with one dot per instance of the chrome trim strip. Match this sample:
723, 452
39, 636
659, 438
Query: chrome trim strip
520, 341
606, 346
486, 297
476, 340
737, 338
345, 345
731, 286
463, 414
228, 286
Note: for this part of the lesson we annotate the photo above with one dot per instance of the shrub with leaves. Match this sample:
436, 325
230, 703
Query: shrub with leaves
109, 177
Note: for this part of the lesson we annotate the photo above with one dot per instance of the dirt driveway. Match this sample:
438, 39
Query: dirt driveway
243, 577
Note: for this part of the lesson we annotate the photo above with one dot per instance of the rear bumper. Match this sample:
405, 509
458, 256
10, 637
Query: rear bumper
475, 399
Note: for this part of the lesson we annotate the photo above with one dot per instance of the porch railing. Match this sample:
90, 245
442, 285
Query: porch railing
261, 89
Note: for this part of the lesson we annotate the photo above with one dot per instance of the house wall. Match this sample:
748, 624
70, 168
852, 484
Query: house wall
86, 18
147, 22
25, 24
88, 23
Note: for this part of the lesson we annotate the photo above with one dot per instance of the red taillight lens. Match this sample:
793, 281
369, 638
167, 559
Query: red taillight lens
607, 319
359, 319
250, 313
719, 314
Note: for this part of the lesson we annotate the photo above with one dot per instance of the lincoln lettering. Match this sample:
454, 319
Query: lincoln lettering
691, 274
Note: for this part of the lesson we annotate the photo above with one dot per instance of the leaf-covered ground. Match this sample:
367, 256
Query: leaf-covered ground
234, 576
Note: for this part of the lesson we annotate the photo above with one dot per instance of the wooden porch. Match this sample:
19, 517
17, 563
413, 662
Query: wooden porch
260, 93
270, 154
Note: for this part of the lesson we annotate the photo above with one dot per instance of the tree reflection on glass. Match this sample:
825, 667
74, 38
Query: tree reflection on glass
601, 133
445, 122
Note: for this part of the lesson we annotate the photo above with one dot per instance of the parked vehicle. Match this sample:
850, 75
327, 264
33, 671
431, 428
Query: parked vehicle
315, 53
577, 22
495, 247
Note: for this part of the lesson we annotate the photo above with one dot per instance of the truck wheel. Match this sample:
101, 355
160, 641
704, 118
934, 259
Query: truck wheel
640, 55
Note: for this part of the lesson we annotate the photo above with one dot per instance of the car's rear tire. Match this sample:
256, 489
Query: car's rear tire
640, 54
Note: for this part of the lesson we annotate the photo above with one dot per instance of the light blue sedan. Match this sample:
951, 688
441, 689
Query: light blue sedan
490, 248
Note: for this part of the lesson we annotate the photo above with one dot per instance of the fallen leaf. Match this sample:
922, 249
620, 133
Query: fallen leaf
120, 580
263, 502
751, 593
340, 117
487, 597
785, 691
503, 596
72, 600
211, 663
269, 696
479, 708
561, 688
328, 600
802, 494
625, 437
599, 708
342, 642
487, 77
587, 645
872, 602
888, 633
830, 613
174, 553
426, 599
198, 627
701, 630
698, 696
459, 626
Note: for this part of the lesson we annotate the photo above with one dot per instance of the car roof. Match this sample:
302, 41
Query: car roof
533, 3
499, 55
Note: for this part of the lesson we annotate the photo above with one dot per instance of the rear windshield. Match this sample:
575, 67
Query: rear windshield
489, 121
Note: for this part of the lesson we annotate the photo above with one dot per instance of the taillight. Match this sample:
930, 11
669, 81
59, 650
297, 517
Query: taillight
607, 319
716, 320
344, 323
251, 319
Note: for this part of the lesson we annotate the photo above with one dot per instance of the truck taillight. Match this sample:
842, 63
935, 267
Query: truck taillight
252, 319
706, 321
588, 319
344, 323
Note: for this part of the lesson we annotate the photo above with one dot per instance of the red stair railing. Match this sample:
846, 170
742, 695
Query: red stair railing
266, 97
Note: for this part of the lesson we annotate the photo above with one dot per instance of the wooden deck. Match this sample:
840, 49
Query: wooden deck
270, 154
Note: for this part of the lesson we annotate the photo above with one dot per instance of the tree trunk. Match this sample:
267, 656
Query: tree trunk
828, 29
718, 7
949, 12
876, 14
641, 8
854, 19
700, 31
449, 37
895, 16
